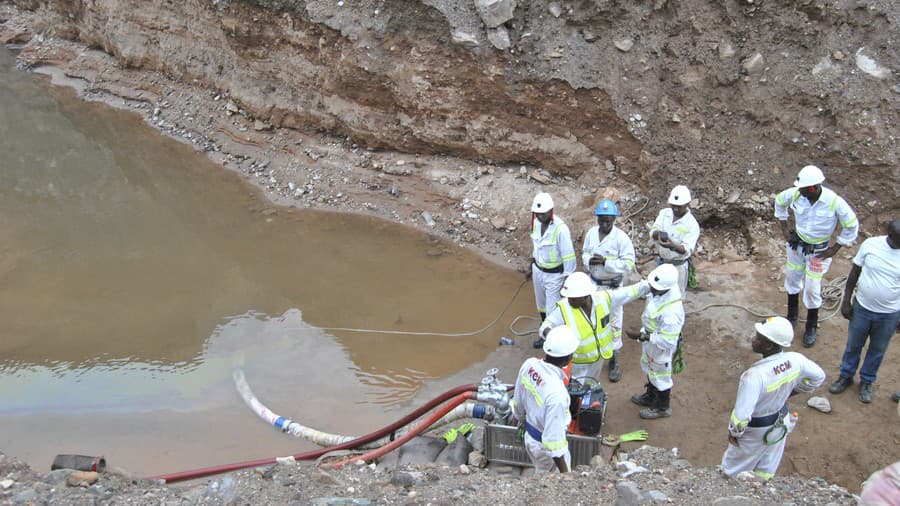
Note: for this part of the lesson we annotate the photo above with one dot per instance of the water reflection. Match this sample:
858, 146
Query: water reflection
133, 272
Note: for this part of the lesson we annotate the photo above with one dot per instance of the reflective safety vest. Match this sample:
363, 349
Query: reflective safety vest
650, 325
596, 341
549, 242
812, 222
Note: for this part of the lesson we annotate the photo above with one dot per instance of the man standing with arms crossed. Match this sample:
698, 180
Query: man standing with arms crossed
760, 422
817, 211
874, 314
541, 402
608, 255
675, 234
552, 255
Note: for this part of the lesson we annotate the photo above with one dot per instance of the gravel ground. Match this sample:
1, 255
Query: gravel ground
646, 475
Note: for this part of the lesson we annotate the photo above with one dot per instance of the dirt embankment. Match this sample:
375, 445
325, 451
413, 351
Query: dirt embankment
730, 97
408, 111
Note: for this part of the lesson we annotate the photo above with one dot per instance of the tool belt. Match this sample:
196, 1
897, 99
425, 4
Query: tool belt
533, 432
673, 262
553, 270
765, 421
611, 283
801, 246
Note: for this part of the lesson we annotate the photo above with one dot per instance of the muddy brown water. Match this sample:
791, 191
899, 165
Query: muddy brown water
136, 275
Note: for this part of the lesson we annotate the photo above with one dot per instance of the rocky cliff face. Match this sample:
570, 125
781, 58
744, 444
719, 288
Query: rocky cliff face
724, 96
392, 79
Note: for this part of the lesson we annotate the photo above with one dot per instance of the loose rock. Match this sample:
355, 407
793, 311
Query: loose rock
820, 403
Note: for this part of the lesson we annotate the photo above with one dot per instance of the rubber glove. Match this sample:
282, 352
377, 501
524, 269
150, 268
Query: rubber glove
466, 428
450, 435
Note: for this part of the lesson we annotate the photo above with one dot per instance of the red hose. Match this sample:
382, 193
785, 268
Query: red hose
415, 431
314, 454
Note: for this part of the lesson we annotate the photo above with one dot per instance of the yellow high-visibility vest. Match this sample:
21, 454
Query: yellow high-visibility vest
595, 342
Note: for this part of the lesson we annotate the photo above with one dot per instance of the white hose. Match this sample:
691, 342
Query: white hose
325, 439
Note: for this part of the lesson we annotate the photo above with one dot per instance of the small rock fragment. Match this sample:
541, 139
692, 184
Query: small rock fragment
555, 9
819, 403
463, 38
499, 38
726, 50
753, 64
628, 468
477, 459
82, 479
540, 178
657, 496
628, 493
624, 45
734, 500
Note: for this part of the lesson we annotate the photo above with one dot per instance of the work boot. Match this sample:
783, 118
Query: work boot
793, 308
539, 342
865, 392
840, 384
812, 321
896, 397
661, 409
615, 371
648, 398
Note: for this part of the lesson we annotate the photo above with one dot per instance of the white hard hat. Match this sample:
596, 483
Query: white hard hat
809, 176
561, 342
542, 203
578, 284
778, 330
663, 277
680, 195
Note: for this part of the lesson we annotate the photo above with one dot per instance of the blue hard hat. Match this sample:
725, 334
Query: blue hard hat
606, 207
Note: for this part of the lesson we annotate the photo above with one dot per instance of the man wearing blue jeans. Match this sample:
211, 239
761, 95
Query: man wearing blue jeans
875, 312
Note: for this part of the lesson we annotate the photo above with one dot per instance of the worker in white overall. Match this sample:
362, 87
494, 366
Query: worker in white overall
552, 258
541, 402
675, 234
608, 255
662, 320
817, 211
760, 422
588, 311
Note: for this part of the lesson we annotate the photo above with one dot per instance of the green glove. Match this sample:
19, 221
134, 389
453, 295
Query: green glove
450, 435
678, 364
638, 435
521, 433
466, 428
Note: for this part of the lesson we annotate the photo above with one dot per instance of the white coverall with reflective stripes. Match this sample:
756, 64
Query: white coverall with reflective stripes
763, 390
684, 231
814, 223
662, 319
541, 399
552, 249
618, 251
617, 298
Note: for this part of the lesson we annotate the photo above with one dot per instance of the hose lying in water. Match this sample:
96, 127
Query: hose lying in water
314, 454
466, 410
415, 431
